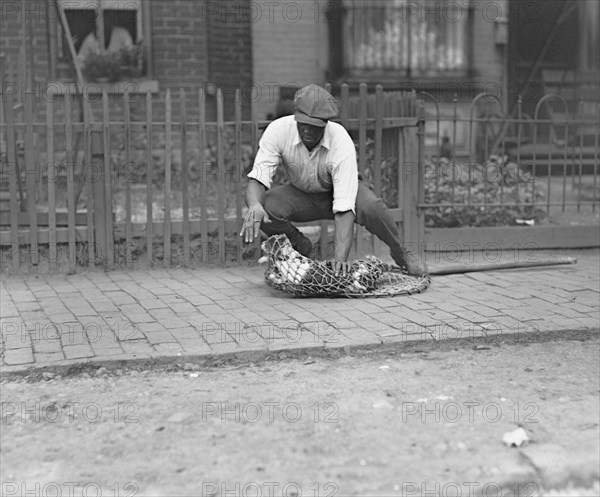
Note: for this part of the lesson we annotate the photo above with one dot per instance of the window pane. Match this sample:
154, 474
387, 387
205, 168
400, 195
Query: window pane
423, 37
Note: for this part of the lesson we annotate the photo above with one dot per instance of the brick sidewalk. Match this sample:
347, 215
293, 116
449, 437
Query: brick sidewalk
61, 320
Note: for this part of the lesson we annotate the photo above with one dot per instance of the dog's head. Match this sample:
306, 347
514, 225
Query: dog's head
277, 247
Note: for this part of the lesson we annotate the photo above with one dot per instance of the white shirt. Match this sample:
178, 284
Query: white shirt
330, 166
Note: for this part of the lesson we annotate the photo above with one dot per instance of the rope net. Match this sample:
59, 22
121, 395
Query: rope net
291, 272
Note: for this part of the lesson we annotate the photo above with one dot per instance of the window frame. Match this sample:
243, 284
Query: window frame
143, 29
339, 22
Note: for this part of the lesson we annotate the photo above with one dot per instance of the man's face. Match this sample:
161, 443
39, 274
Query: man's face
310, 135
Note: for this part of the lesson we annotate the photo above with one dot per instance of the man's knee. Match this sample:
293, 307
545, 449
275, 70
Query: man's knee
276, 206
370, 206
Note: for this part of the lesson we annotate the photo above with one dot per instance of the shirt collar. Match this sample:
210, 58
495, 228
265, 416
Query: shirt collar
325, 141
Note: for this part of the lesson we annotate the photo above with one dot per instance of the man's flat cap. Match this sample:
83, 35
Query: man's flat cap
313, 105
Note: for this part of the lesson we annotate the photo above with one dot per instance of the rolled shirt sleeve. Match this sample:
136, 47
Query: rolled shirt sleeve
344, 175
267, 158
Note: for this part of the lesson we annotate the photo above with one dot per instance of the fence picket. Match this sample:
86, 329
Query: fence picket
239, 167
87, 147
31, 178
52, 252
149, 179
255, 139
379, 109
14, 179
168, 152
70, 169
362, 155
184, 180
127, 179
221, 173
110, 240
203, 174
345, 97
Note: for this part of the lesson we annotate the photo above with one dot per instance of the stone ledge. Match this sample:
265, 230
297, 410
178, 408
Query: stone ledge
54, 88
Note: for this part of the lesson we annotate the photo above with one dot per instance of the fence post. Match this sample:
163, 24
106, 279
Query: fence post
99, 193
410, 185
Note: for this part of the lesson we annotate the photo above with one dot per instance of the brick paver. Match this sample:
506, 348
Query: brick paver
94, 316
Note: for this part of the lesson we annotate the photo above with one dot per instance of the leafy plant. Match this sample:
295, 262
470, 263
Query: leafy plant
114, 66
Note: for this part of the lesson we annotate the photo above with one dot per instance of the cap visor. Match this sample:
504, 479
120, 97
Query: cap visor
306, 119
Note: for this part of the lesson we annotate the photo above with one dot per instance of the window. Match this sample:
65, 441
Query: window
119, 24
409, 38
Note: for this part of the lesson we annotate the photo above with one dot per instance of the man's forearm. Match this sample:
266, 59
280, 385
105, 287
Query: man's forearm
344, 231
255, 193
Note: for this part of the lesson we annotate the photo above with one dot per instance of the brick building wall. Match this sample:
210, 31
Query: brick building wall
179, 44
488, 58
194, 43
290, 47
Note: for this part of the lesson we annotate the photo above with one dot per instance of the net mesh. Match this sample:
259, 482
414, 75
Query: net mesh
291, 272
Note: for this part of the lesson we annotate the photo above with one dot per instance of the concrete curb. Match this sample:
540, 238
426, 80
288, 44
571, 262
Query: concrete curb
193, 362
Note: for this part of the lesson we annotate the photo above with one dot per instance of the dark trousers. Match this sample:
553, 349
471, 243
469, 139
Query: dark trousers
286, 204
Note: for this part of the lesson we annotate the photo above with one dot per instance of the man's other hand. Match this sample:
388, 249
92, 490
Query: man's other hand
252, 221
339, 267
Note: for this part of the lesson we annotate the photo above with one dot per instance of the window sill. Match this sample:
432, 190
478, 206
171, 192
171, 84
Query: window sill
391, 81
141, 86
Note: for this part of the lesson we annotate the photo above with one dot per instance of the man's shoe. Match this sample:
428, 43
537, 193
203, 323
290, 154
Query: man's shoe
415, 266
410, 262
303, 245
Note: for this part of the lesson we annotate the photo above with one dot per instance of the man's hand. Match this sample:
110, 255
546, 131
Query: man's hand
251, 227
339, 267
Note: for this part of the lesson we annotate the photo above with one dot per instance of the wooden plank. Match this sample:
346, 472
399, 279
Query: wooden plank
410, 187
31, 176
13, 180
149, 176
43, 218
99, 196
62, 236
345, 104
203, 174
344, 121
512, 238
110, 255
362, 156
139, 229
239, 167
89, 185
168, 152
51, 183
184, 179
221, 174
127, 179
255, 144
71, 207
378, 137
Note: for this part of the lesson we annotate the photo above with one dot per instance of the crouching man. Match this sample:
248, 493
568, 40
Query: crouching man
319, 159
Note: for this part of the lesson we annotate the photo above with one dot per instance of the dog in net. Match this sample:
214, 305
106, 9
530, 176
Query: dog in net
291, 272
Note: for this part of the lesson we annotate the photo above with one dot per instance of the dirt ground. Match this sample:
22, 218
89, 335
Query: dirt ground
428, 420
